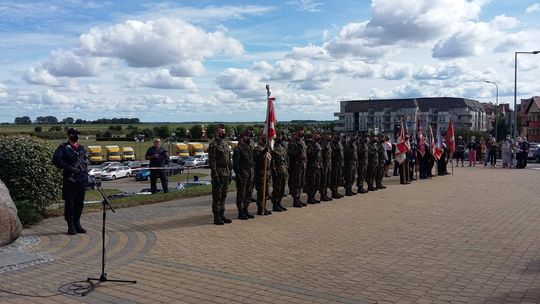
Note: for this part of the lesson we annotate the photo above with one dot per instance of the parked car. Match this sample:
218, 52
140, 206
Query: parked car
532, 150
107, 165
91, 184
174, 169
95, 172
135, 166
142, 175
197, 161
115, 172
537, 155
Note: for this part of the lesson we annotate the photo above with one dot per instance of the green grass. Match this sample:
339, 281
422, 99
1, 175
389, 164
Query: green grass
94, 195
183, 177
85, 128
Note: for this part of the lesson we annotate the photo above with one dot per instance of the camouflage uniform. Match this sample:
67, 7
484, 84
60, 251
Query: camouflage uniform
278, 167
326, 170
373, 160
219, 159
350, 163
313, 171
297, 169
381, 153
243, 168
259, 156
362, 150
337, 168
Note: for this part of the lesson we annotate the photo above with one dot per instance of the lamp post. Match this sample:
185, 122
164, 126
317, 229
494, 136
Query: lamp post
514, 124
496, 107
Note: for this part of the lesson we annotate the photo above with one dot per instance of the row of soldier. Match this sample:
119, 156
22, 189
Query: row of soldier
312, 164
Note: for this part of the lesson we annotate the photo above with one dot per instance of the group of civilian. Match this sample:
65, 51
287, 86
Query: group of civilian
513, 153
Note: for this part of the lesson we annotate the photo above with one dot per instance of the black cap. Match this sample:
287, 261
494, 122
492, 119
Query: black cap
72, 131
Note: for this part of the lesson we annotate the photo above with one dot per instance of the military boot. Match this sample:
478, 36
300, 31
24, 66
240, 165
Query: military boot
311, 200
248, 215
371, 188
281, 206
275, 207
71, 228
380, 186
324, 198
348, 192
361, 190
241, 214
301, 203
335, 194
296, 202
78, 227
223, 218
217, 219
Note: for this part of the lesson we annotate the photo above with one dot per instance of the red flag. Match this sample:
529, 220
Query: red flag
401, 145
421, 140
437, 153
269, 127
450, 140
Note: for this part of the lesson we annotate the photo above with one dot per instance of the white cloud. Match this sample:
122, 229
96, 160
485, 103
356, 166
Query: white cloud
68, 64
93, 89
188, 68
135, 42
39, 75
533, 8
206, 14
241, 81
309, 52
443, 71
160, 79
306, 5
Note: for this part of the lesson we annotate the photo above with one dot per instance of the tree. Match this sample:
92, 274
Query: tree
181, 132
163, 131
24, 120
210, 130
55, 129
33, 181
37, 129
196, 132
68, 120
111, 128
118, 128
46, 120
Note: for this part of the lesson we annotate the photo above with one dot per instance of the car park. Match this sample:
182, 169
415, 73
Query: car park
142, 175
135, 166
116, 172
197, 161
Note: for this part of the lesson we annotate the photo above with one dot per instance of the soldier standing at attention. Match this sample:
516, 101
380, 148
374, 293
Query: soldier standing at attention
326, 167
314, 166
243, 169
350, 163
373, 159
381, 158
337, 166
278, 167
219, 159
297, 166
260, 156
362, 151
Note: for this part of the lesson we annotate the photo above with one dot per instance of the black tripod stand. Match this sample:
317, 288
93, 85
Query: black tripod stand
105, 204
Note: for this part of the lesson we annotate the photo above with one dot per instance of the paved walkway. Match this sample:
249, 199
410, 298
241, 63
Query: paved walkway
472, 237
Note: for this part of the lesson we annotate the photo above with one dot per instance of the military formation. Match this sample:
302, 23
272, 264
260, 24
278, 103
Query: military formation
303, 163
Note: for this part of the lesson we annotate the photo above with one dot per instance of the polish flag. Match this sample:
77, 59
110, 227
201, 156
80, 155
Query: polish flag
269, 126
401, 145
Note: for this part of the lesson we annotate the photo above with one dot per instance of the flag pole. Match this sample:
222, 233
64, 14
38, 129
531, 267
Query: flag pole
266, 146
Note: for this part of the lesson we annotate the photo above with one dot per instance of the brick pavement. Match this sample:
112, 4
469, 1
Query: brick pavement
473, 237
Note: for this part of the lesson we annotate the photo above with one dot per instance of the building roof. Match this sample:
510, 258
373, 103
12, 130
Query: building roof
424, 103
528, 103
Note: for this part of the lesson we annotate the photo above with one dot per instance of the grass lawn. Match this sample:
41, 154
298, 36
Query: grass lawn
94, 195
183, 177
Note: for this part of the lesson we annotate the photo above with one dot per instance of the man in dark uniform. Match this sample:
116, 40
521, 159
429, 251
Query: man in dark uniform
70, 156
158, 157
337, 166
261, 156
362, 151
219, 159
381, 160
373, 160
350, 160
278, 167
314, 166
297, 167
243, 169
326, 167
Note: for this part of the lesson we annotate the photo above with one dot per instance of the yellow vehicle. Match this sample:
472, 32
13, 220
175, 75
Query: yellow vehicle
181, 149
195, 148
113, 153
128, 153
94, 154
205, 147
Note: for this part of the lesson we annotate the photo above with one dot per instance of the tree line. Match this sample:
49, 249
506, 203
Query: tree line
52, 120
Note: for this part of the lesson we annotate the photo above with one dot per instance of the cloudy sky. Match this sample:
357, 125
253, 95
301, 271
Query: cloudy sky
207, 60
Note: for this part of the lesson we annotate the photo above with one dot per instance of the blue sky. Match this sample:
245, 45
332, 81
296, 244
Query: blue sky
210, 60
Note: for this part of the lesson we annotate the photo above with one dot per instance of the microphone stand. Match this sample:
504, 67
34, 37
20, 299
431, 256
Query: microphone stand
105, 205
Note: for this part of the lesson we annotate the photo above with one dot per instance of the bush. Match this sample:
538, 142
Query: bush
26, 168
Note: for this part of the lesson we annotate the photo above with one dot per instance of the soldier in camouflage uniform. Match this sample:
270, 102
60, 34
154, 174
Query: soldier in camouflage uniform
261, 156
219, 159
350, 162
326, 167
381, 153
280, 174
362, 151
337, 166
243, 169
314, 166
296, 152
373, 160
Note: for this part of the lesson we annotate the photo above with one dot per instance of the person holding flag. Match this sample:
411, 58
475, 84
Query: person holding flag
401, 155
450, 143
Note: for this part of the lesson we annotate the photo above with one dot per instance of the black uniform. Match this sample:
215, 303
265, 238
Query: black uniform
74, 182
161, 159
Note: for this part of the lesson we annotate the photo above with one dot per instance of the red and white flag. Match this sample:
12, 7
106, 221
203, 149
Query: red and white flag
269, 126
450, 140
401, 145
420, 138
438, 151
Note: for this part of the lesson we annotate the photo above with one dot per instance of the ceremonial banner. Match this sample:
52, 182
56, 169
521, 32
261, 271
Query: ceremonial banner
401, 145
450, 140
438, 151
269, 127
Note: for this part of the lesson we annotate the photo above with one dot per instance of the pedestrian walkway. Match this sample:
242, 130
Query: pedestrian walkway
471, 237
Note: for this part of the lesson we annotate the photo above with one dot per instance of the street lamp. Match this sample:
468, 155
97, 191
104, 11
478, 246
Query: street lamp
514, 125
497, 105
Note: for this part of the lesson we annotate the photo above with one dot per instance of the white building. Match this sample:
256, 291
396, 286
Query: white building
381, 115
